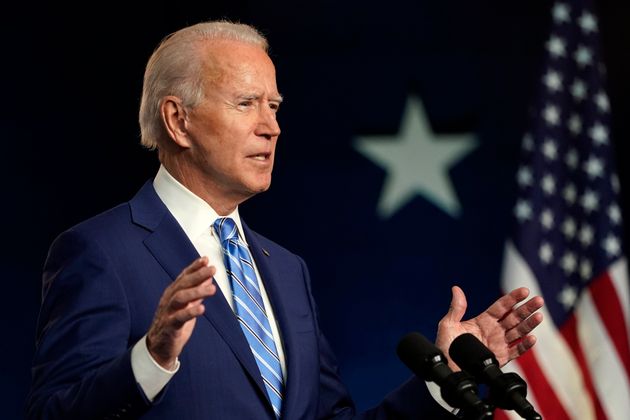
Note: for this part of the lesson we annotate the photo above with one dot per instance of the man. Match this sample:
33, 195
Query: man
169, 306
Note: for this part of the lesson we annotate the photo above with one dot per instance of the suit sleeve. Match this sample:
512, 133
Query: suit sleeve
411, 400
81, 367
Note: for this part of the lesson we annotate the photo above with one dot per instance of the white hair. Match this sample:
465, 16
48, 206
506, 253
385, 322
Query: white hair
176, 67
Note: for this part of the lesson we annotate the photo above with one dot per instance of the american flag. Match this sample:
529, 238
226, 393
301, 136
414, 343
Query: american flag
567, 245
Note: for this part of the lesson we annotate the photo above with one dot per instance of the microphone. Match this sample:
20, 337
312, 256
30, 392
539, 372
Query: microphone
507, 390
429, 363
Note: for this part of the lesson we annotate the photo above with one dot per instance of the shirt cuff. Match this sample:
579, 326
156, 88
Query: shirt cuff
151, 377
434, 390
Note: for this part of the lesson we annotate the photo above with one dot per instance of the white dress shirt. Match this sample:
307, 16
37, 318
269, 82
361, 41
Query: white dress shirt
196, 218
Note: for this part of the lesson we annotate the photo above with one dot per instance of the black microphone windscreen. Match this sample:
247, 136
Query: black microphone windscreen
415, 351
468, 352
507, 390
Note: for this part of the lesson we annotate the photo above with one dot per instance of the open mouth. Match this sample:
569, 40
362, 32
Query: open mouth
262, 157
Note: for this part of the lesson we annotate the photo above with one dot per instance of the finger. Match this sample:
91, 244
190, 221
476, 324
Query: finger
524, 328
516, 316
182, 316
519, 349
192, 278
458, 306
195, 265
183, 297
185, 280
502, 306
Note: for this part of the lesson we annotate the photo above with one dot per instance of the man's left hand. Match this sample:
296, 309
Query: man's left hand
504, 329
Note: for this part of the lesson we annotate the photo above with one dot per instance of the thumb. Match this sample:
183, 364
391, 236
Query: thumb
458, 305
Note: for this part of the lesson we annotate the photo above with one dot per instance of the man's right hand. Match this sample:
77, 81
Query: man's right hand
179, 307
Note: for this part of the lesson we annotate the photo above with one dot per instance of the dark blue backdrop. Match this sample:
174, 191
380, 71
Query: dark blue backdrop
70, 139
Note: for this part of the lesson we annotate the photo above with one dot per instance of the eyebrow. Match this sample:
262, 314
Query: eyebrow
255, 96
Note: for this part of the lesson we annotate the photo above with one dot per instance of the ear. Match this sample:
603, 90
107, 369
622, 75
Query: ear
173, 115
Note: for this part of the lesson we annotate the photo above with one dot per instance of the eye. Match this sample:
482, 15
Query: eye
245, 104
275, 106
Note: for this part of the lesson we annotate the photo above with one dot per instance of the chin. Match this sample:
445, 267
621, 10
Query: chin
254, 183
263, 188
257, 188
263, 184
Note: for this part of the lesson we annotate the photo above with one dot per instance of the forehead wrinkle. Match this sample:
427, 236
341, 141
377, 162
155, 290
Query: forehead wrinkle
234, 75
227, 69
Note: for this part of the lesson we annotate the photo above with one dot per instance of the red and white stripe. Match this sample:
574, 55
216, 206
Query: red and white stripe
582, 369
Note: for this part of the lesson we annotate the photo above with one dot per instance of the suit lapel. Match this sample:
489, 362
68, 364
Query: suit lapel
173, 251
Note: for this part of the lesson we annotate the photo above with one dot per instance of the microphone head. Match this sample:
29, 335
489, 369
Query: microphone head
471, 354
419, 354
507, 390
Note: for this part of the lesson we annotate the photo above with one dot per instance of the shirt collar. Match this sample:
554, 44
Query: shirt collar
193, 214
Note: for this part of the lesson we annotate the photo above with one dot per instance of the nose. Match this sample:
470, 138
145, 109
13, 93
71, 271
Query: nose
267, 126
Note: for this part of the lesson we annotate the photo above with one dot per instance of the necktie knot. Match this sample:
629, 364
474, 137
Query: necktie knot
226, 229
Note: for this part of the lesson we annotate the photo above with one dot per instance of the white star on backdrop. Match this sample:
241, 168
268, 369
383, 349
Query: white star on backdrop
578, 90
575, 124
523, 210
524, 176
560, 12
417, 162
572, 159
594, 167
551, 114
570, 194
583, 56
548, 184
546, 219
550, 150
601, 99
569, 228
614, 213
586, 235
599, 134
614, 181
568, 296
553, 81
611, 245
590, 201
588, 23
545, 253
568, 263
557, 46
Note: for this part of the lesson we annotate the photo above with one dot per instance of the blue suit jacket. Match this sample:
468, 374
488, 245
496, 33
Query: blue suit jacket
102, 282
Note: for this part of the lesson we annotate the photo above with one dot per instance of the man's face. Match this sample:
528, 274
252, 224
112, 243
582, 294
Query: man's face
233, 132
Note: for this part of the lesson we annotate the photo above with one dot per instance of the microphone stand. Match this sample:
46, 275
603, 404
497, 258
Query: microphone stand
455, 390
509, 392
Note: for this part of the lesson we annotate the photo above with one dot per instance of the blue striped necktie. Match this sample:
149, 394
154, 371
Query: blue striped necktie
250, 310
